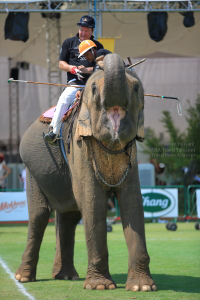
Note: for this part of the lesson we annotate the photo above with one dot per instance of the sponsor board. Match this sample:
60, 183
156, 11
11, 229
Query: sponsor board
198, 203
13, 206
160, 202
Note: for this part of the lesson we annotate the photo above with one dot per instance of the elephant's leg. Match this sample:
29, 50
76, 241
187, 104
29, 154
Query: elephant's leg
132, 215
65, 232
94, 211
39, 213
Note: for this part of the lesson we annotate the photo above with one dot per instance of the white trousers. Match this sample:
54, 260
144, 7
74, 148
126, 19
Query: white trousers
66, 99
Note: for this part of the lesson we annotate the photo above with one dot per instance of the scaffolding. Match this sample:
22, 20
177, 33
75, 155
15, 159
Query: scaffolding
53, 49
14, 139
98, 5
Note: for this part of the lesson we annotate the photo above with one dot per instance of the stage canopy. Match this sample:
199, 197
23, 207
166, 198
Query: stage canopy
129, 28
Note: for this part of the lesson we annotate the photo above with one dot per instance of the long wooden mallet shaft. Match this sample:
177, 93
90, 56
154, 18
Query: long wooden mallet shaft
179, 109
77, 86
45, 83
159, 96
137, 63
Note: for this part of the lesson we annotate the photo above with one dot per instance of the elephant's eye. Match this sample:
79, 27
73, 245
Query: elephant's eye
136, 88
94, 88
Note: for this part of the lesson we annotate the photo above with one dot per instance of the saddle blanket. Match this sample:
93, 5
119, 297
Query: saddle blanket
47, 116
50, 112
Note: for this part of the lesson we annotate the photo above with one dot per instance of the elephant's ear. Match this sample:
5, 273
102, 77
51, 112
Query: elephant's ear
83, 127
100, 62
140, 128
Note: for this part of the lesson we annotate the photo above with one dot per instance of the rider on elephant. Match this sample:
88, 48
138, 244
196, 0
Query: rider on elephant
89, 50
70, 63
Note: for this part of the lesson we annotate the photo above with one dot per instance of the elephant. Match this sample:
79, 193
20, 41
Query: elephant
102, 159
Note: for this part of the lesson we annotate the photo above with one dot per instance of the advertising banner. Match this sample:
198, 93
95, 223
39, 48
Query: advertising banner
13, 206
198, 203
160, 202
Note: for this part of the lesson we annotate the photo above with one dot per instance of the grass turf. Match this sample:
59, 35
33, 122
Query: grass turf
175, 264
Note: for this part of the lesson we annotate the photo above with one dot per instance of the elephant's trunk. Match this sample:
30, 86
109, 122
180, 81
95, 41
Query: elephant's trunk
115, 85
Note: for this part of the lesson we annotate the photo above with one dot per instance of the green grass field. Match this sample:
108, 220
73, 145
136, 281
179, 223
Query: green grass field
175, 264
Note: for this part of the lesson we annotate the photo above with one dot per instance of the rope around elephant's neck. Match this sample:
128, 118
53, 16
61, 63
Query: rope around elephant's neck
99, 174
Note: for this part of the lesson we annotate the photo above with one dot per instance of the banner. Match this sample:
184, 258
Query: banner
13, 206
108, 43
160, 202
198, 203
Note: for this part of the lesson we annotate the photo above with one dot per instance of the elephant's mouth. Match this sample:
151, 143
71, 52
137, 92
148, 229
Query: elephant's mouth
115, 114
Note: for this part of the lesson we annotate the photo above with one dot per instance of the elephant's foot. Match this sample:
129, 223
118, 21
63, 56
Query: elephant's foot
65, 274
140, 283
99, 283
25, 274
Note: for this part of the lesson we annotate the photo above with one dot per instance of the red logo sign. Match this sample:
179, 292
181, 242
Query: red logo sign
8, 207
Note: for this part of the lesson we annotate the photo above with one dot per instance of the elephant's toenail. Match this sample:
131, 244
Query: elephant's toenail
88, 287
135, 288
112, 287
146, 288
100, 287
24, 279
17, 277
154, 288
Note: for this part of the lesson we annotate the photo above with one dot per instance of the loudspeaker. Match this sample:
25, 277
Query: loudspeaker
157, 25
16, 26
53, 15
188, 20
24, 65
14, 72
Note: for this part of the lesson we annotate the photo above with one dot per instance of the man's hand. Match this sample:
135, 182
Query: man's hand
76, 72
85, 70
78, 95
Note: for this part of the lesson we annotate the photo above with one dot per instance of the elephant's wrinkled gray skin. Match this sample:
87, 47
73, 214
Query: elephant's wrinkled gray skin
111, 112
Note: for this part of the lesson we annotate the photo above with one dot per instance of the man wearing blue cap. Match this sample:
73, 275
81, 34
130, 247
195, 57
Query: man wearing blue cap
69, 61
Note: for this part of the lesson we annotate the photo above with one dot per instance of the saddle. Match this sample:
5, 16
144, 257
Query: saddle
47, 116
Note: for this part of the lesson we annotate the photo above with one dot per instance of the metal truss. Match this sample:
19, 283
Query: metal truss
53, 50
13, 118
97, 6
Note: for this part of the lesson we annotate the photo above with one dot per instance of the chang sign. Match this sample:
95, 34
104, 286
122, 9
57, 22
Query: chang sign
160, 202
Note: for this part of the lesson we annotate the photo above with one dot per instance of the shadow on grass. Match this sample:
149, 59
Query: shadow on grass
52, 279
185, 284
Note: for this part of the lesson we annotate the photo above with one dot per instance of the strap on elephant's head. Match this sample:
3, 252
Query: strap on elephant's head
140, 127
83, 127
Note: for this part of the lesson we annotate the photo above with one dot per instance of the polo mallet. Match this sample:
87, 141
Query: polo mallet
179, 109
129, 60
137, 63
45, 83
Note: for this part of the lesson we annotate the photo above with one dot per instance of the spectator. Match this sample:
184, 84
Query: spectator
111, 204
4, 171
22, 178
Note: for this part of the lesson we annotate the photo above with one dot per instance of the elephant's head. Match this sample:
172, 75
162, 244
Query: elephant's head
113, 103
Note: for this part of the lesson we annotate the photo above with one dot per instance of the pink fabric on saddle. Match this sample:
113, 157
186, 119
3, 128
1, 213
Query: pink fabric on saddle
49, 113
